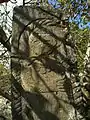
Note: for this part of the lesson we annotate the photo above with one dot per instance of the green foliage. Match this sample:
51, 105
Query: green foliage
63, 1
3, 70
82, 38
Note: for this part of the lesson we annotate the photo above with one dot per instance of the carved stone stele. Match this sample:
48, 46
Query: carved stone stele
43, 64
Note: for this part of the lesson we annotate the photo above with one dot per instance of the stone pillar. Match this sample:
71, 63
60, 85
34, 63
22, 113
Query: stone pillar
43, 66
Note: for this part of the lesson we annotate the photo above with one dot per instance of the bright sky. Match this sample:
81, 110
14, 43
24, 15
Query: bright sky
9, 9
3, 8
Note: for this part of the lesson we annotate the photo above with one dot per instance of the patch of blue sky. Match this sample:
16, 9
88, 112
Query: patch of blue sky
88, 25
77, 19
54, 3
80, 7
81, 26
86, 6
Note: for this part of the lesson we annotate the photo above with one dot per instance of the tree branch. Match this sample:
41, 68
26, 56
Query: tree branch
3, 40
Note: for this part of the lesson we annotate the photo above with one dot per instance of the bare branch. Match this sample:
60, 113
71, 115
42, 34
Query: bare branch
3, 39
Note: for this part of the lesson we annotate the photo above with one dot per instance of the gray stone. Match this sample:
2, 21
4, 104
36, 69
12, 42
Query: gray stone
40, 61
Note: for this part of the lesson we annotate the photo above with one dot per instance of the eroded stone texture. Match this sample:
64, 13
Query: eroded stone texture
47, 64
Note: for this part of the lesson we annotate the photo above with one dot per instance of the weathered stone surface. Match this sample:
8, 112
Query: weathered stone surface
46, 64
